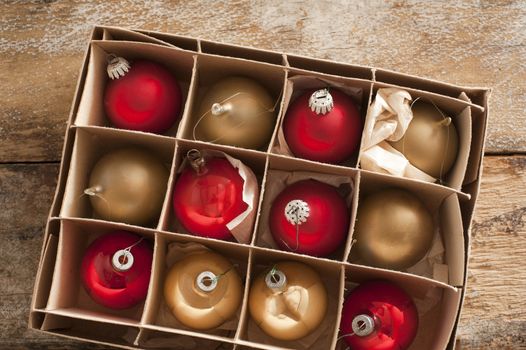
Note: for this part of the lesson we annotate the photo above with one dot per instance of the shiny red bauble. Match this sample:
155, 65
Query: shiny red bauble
206, 201
147, 98
332, 137
378, 315
309, 217
118, 285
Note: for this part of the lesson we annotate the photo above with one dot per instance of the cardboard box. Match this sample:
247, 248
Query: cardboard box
61, 306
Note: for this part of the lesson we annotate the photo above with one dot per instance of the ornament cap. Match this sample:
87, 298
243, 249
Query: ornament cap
297, 212
122, 260
275, 279
117, 66
197, 161
321, 101
362, 325
206, 281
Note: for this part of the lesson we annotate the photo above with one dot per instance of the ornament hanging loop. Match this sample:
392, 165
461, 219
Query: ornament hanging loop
197, 161
206, 281
362, 325
117, 66
275, 279
123, 259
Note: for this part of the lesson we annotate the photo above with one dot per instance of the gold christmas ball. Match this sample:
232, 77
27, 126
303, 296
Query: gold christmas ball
288, 302
203, 290
393, 229
128, 185
430, 142
238, 112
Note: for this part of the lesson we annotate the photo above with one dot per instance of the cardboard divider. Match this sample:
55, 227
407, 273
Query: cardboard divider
121, 34
91, 143
157, 315
253, 159
45, 273
478, 133
460, 112
282, 172
296, 85
156, 339
321, 338
106, 334
67, 295
247, 53
419, 83
211, 69
437, 305
91, 109
302, 64
182, 42
444, 260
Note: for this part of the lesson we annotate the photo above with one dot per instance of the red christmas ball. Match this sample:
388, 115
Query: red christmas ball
207, 199
309, 217
147, 98
379, 315
116, 269
323, 126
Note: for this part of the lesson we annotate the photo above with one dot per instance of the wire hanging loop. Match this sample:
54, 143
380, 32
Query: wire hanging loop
123, 259
221, 107
296, 212
197, 161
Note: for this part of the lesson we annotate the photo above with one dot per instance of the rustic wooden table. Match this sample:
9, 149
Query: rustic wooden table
477, 43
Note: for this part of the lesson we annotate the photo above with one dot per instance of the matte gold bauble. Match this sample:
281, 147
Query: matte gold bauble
393, 229
430, 143
238, 112
128, 185
203, 290
288, 302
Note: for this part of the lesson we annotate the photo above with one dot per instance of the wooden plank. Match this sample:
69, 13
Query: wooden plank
465, 42
494, 314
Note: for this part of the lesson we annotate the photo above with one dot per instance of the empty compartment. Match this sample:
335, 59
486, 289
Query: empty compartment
284, 172
432, 246
436, 305
92, 110
248, 53
245, 114
288, 305
212, 202
91, 144
378, 154
329, 67
102, 333
69, 294
321, 143
197, 298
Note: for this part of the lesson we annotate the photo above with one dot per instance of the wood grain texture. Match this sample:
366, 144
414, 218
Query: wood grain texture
477, 43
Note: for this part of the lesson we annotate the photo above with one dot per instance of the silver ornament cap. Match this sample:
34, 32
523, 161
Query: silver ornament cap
362, 325
117, 67
207, 281
321, 101
122, 260
297, 211
275, 279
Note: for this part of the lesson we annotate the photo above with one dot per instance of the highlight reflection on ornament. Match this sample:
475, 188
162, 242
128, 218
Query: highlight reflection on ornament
430, 143
309, 217
208, 195
393, 229
236, 111
378, 315
203, 290
116, 269
323, 125
289, 301
128, 185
